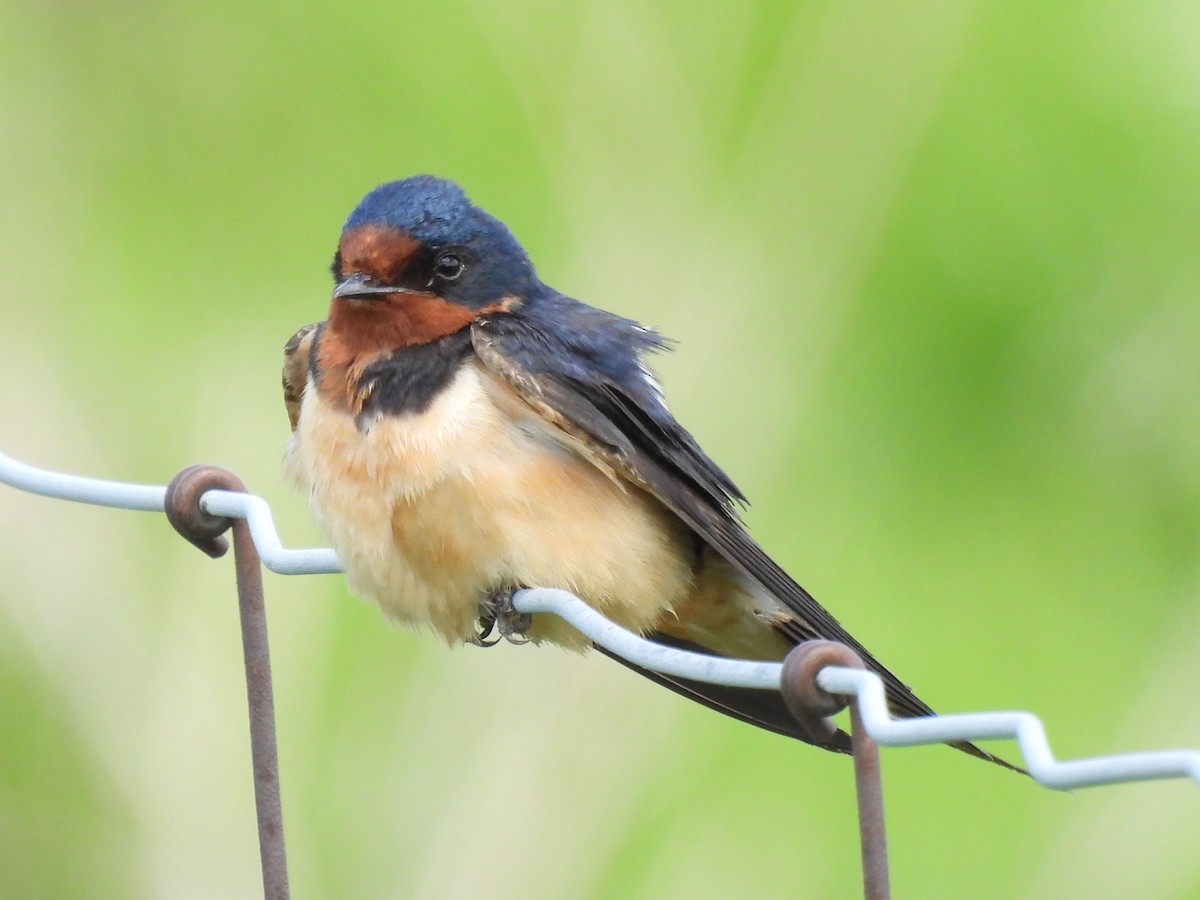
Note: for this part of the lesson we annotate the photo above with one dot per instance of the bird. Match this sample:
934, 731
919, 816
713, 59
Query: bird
462, 430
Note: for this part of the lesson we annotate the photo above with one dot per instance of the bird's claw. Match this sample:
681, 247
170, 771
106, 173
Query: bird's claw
487, 624
500, 616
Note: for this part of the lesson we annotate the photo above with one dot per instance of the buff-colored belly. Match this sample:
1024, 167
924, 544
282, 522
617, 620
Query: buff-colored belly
431, 512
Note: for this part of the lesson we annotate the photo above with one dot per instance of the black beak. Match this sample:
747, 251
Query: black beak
363, 287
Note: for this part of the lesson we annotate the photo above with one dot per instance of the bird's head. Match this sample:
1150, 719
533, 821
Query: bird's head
417, 261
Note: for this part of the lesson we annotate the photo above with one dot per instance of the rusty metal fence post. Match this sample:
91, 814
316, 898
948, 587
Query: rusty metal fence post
811, 705
205, 531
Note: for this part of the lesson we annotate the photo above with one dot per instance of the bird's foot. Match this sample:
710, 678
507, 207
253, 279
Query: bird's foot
498, 615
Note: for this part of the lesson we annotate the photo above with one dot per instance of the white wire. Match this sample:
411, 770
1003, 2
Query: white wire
647, 654
1023, 727
867, 687
276, 557
148, 497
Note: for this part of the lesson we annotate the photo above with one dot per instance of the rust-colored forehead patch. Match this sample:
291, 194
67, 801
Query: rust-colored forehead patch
376, 250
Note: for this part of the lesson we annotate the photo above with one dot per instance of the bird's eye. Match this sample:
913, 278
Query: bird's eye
449, 266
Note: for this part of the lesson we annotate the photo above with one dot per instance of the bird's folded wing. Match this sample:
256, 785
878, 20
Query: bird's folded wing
624, 423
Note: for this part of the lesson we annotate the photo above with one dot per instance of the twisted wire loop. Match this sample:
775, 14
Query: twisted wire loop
182, 506
840, 680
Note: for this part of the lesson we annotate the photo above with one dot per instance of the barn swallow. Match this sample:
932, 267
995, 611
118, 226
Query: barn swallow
462, 430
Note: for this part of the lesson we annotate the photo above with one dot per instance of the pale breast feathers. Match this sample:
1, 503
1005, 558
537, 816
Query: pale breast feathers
430, 512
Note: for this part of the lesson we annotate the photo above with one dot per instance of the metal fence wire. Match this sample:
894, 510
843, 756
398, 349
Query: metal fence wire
202, 502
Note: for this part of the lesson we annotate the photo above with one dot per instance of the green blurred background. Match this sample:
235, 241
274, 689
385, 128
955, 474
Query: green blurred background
933, 273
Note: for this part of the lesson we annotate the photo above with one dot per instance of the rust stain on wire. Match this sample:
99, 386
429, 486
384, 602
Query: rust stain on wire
206, 532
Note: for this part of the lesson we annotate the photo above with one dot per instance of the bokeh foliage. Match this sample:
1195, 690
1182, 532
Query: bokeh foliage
933, 273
